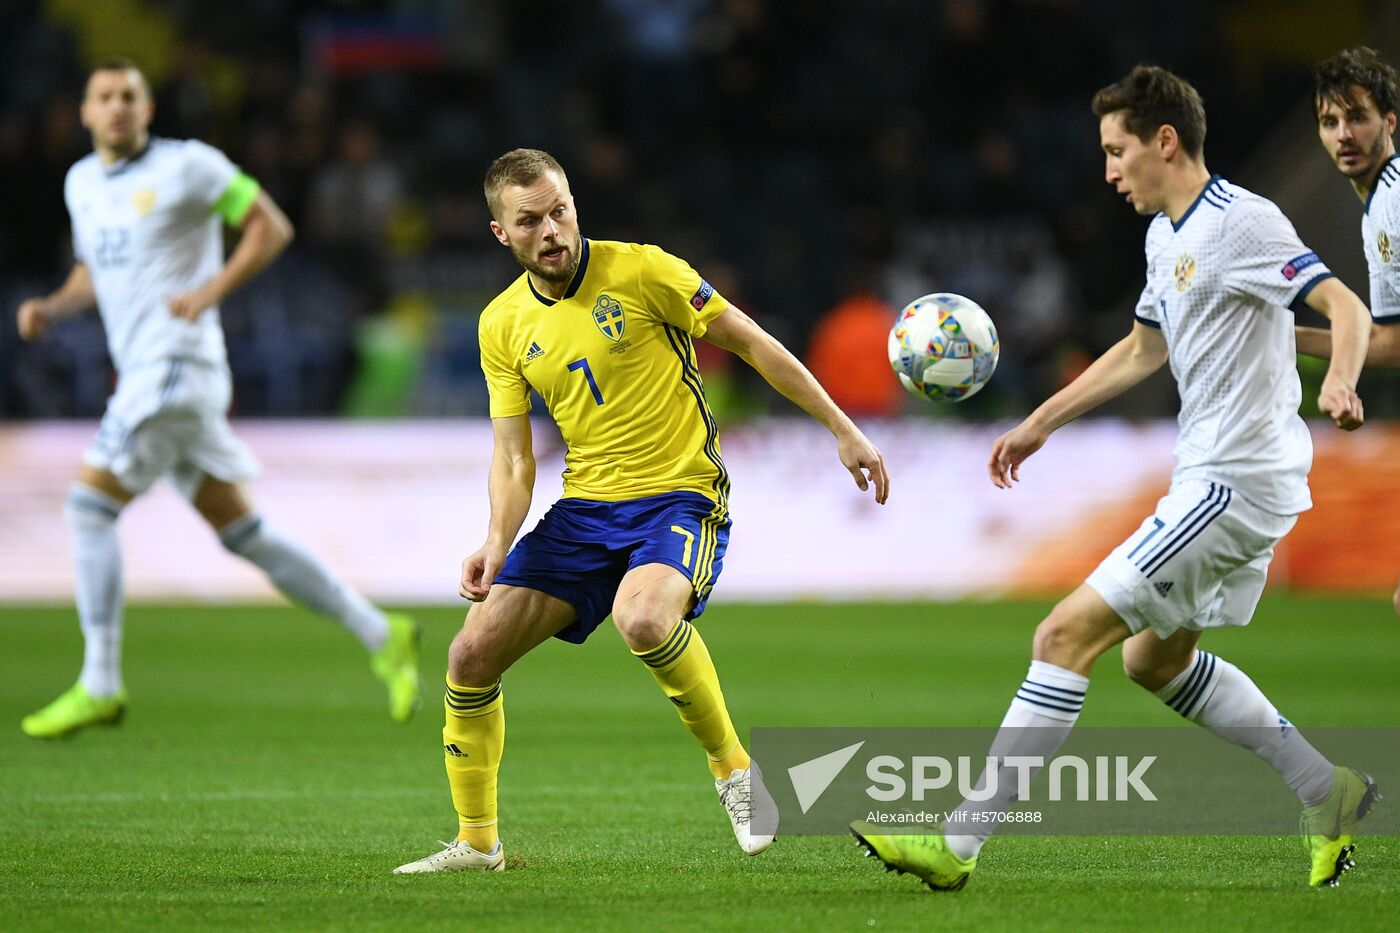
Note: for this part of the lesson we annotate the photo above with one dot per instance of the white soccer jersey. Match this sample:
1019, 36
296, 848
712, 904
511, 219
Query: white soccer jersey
1220, 283
147, 229
1380, 231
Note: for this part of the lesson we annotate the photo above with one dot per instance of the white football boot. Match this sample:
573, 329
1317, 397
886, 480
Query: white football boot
457, 856
751, 809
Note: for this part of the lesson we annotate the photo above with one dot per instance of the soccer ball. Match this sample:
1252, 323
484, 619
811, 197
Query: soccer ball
943, 346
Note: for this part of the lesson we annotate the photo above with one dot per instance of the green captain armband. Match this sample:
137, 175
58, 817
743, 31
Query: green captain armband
233, 205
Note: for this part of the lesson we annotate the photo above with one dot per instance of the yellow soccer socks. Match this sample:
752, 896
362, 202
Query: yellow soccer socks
681, 665
472, 741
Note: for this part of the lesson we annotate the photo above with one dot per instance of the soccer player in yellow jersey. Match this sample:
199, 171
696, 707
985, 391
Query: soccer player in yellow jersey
605, 333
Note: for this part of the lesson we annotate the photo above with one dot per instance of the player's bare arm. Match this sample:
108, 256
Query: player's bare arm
266, 232
738, 333
74, 296
1124, 365
1350, 336
1382, 351
511, 485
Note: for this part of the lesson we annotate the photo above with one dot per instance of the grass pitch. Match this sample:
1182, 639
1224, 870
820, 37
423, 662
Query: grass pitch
258, 782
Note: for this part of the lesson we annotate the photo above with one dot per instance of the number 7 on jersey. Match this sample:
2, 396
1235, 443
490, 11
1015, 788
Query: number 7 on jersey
582, 363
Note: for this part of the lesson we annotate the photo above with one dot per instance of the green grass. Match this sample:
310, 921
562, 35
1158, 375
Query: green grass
257, 781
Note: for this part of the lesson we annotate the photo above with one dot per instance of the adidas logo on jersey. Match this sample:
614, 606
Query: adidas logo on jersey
1163, 587
534, 353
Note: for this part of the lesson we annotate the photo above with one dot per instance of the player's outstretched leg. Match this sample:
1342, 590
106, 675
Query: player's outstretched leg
1037, 723
1216, 694
925, 856
682, 666
391, 640
98, 698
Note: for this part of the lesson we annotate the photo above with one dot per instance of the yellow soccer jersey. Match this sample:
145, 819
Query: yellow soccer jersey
614, 360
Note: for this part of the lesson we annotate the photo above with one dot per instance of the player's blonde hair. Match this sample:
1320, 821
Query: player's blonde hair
1150, 97
519, 168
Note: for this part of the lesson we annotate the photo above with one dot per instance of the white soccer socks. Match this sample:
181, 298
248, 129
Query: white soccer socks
302, 577
97, 557
1045, 708
1212, 692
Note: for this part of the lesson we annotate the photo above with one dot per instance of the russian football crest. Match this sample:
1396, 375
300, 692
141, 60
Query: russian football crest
143, 199
1384, 246
1184, 271
607, 314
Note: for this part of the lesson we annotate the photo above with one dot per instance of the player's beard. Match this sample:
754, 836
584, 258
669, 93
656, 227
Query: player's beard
124, 145
558, 275
1370, 162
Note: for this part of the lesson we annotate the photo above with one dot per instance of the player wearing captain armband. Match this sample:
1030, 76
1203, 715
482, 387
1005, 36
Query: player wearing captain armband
148, 217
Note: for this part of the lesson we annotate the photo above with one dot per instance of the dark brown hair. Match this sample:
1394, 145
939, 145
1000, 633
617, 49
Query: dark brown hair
1149, 98
118, 63
1336, 79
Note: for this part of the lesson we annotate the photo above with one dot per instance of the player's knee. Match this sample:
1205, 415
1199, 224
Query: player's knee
1062, 639
475, 657
641, 625
88, 511
242, 535
1149, 671
472, 660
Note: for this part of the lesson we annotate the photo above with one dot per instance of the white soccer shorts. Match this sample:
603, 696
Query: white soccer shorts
168, 419
1199, 561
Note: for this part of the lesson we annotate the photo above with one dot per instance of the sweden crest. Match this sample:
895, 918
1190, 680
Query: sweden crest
607, 314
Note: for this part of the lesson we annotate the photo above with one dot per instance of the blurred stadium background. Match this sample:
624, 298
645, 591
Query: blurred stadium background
821, 163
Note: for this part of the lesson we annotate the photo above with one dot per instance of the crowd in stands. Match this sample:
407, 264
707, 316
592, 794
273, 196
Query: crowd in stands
806, 157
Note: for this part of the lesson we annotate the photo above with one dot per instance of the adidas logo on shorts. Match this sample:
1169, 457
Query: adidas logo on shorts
1163, 587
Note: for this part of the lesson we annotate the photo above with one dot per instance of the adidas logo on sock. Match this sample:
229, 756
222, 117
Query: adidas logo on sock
678, 701
534, 353
1163, 588
454, 751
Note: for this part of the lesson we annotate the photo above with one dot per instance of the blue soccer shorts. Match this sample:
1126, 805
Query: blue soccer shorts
581, 549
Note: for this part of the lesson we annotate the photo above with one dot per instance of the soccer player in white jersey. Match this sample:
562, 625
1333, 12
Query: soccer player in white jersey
147, 217
1223, 268
1356, 98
